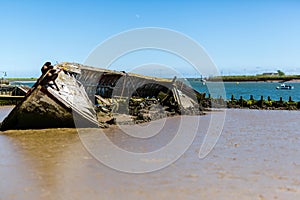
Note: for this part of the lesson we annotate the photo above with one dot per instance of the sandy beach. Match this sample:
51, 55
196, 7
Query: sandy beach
256, 157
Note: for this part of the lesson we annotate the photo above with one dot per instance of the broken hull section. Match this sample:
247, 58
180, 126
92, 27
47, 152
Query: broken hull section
112, 84
38, 111
46, 107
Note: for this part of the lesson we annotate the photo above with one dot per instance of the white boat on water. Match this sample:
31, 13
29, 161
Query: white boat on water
284, 87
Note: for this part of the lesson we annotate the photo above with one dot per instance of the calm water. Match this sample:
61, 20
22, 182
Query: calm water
257, 89
256, 157
27, 83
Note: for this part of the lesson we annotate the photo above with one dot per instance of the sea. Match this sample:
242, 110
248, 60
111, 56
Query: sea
27, 83
245, 89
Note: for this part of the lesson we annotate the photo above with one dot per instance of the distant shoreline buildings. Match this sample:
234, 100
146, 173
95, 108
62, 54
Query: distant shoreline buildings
270, 74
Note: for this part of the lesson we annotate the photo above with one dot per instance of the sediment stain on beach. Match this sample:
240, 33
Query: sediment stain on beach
256, 157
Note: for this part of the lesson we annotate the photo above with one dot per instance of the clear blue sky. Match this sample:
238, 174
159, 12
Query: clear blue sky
240, 36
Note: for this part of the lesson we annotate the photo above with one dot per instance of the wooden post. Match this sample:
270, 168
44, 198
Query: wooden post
232, 98
251, 97
241, 101
280, 100
290, 99
261, 101
269, 98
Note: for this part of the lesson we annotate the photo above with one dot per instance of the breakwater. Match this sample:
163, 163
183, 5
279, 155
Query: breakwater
263, 102
12, 95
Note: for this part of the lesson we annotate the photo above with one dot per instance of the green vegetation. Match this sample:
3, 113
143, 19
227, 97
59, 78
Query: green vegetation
265, 104
9, 102
250, 102
21, 79
242, 78
280, 73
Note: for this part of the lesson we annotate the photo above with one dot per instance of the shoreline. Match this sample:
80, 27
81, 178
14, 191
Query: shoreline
254, 81
175, 117
254, 78
5, 106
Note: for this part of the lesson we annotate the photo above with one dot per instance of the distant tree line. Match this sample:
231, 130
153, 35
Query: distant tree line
280, 73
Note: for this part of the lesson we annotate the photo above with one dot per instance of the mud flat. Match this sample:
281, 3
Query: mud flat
256, 157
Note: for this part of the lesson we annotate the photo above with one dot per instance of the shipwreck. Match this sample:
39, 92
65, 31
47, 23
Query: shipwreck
72, 95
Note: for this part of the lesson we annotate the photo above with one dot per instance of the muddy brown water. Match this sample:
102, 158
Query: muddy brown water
256, 157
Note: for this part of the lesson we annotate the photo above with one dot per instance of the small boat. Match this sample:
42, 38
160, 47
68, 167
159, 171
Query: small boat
284, 87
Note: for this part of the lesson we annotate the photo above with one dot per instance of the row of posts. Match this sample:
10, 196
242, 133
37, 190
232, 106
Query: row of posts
251, 98
6, 92
261, 98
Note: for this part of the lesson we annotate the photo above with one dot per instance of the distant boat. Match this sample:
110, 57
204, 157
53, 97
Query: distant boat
284, 87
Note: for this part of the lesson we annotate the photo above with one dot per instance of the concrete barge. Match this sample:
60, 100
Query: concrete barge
66, 95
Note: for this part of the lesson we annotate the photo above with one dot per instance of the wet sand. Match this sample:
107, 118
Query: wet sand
256, 157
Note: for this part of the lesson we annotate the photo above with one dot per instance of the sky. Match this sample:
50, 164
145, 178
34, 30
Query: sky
241, 36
